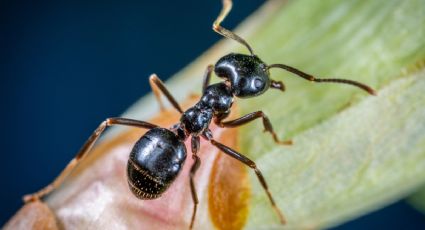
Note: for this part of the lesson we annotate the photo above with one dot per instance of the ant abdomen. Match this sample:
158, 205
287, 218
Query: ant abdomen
154, 163
247, 74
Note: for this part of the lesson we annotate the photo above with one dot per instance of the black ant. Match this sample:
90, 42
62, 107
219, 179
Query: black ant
158, 156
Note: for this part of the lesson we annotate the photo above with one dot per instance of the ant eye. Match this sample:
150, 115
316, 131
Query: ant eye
258, 83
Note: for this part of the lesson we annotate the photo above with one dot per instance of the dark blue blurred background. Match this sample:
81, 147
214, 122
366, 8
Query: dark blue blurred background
65, 66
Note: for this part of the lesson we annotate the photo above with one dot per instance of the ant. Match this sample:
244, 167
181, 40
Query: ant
158, 156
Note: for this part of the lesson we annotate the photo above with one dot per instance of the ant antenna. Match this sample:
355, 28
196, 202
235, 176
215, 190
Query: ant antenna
227, 6
312, 78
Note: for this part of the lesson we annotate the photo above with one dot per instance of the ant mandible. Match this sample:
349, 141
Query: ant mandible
158, 156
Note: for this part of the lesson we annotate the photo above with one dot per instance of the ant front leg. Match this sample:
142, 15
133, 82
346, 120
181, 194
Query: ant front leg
207, 78
197, 162
158, 87
252, 165
251, 117
205, 82
83, 152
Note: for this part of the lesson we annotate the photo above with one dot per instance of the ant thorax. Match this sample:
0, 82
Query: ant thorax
217, 99
196, 119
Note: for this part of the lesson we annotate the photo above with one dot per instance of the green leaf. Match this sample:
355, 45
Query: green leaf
353, 153
360, 159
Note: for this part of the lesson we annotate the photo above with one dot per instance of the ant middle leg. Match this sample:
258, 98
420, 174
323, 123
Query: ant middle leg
251, 117
253, 166
85, 149
158, 87
197, 162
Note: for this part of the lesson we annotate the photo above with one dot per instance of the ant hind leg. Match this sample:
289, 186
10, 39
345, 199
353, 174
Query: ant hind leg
85, 149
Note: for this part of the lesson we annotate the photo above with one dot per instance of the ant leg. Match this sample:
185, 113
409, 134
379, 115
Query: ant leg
193, 169
227, 6
252, 165
83, 152
220, 117
205, 82
251, 117
207, 78
158, 87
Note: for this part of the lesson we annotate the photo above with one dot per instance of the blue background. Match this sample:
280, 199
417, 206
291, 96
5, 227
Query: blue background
65, 66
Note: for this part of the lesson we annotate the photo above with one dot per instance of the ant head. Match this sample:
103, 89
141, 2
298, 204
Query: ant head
247, 74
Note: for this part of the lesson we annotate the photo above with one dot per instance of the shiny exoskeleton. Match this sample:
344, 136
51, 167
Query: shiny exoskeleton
159, 155
154, 163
